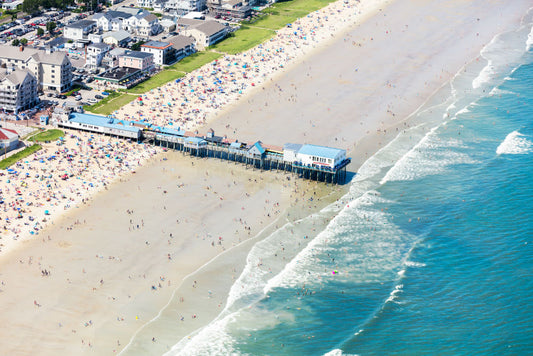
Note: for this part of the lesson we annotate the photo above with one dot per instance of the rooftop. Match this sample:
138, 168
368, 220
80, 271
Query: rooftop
320, 151
103, 121
99, 45
7, 51
210, 27
16, 77
118, 35
7, 134
137, 54
181, 41
118, 73
156, 44
82, 24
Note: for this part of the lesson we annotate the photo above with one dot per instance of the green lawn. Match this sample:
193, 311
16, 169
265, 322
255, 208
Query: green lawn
113, 102
156, 81
19, 155
248, 36
243, 39
48, 135
195, 61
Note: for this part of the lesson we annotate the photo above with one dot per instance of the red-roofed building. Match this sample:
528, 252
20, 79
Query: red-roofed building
9, 140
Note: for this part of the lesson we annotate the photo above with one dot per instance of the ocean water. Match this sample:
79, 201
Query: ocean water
430, 251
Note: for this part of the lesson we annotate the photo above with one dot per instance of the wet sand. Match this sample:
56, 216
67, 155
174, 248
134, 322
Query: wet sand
100, 279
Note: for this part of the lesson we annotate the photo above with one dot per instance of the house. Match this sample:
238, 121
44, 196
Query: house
117, 38
9, 140
111, 58
163, 52
320, 156
256, 151
144, 24
138, 60
120, 77
185, 24
18, 90
52, 70
229, 8
290, 151
79, 30
95, 54
185, 6
168, 24
111, 20
11, 5
207, 33
183, 46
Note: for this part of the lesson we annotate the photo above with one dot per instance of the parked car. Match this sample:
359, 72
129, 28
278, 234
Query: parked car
78, 97
92, 100
98, 96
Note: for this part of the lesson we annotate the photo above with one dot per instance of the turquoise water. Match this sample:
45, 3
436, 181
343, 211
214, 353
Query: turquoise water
429, 253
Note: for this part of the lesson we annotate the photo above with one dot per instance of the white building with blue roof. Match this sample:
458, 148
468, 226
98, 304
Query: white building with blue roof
315, 156
101, 124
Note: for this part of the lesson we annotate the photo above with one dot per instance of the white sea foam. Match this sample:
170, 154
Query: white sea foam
431, 155
529, 41
414, 264
484, 76
394, 294
498, 91
338, 352
515, 143
503, 50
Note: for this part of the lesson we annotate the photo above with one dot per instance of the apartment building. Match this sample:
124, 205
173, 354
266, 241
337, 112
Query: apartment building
52, 70
18, 90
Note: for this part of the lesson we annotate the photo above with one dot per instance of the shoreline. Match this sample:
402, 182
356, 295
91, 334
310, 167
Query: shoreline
145, 300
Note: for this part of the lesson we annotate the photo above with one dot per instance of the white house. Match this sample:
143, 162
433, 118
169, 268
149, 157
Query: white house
290, 151
79, 30
18, 90
143, 24
111, 20
11, 5
118, 38
95, 53
163, 52
185, 6
319, 156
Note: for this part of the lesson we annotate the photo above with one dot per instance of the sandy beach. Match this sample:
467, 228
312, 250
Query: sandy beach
129, 265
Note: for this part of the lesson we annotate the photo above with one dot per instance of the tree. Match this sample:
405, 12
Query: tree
15, 42
40, 31
24, 41
137, 46
30, 6
50, 27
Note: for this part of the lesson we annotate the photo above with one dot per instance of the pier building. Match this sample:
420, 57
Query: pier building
320, 163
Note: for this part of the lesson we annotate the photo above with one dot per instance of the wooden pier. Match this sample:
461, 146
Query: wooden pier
269, 160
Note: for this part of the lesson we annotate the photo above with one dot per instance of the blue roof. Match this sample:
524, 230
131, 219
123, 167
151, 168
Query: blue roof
292, 147
320, 151
259, 147
166, 130
194, 140
235, 145
104, 121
